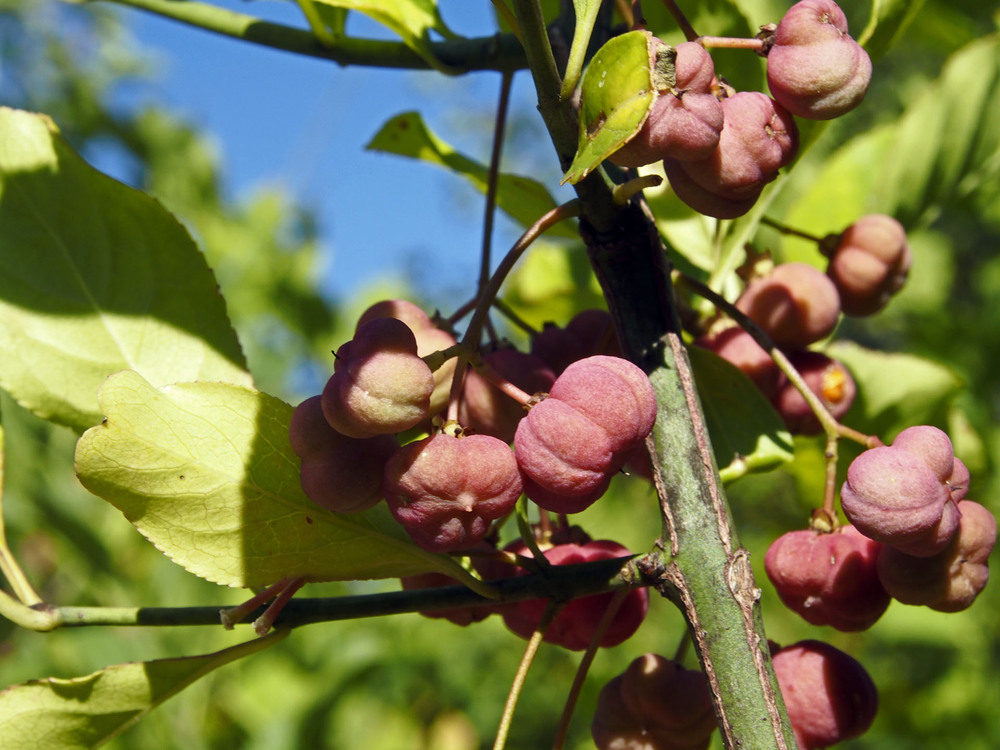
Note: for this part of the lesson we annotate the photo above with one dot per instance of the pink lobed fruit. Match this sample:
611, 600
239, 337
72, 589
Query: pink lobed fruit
893, 497
338, 473
446, 491
869, 264
462, 616
796, 304
815, 69
684, 121
570, 444
951, 580
827, 378
577, 622
655, 704
828, 578
379, 384
429, 338
758, 138
828, 694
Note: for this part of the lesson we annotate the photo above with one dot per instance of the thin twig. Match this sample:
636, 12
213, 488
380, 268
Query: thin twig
551, 609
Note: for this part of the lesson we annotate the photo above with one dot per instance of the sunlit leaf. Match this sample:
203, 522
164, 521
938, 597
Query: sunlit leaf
206, 472
412, 20
94, 278
895, 390
947, 143
84, 712
617, 92
522, 198
747, 433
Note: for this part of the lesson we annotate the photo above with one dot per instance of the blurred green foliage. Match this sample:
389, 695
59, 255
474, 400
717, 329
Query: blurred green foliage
412, 682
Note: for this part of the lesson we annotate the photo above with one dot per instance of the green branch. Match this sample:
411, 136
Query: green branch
501, 53
559, 583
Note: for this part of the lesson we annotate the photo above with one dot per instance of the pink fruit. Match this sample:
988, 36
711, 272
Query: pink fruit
952, 579
655, 704
379, 384
828, 379
796, 304
571, 443
429, 338
339, 473
815, 69
684, 121
893, 497
589, 332
870, 263
738, 347
828, 579
446, 491
829, 695
577, 622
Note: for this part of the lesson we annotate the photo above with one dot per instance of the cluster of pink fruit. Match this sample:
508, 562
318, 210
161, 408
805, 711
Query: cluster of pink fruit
721, 148
913, 537
797, 305
449, 489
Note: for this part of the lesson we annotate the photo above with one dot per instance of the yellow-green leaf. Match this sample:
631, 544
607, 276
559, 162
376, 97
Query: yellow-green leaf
96, 277
412, 20
206, 472
85, 712
618, 91
521, 198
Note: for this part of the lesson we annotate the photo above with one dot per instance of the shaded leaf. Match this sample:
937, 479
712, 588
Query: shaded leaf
947, 143
888, 21
617, 93
522, 198
94, 278
747, 433
412, 20
84, 712
206, 472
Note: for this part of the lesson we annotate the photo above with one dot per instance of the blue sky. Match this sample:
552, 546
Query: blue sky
277, 118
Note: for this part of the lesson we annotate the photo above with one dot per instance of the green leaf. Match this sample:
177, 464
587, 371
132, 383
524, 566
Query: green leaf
522, 198
586, 16
747, 433
895, 391
617, 93
412, 20
94, 278
206, 472
888, 21
947, 143
84, 712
